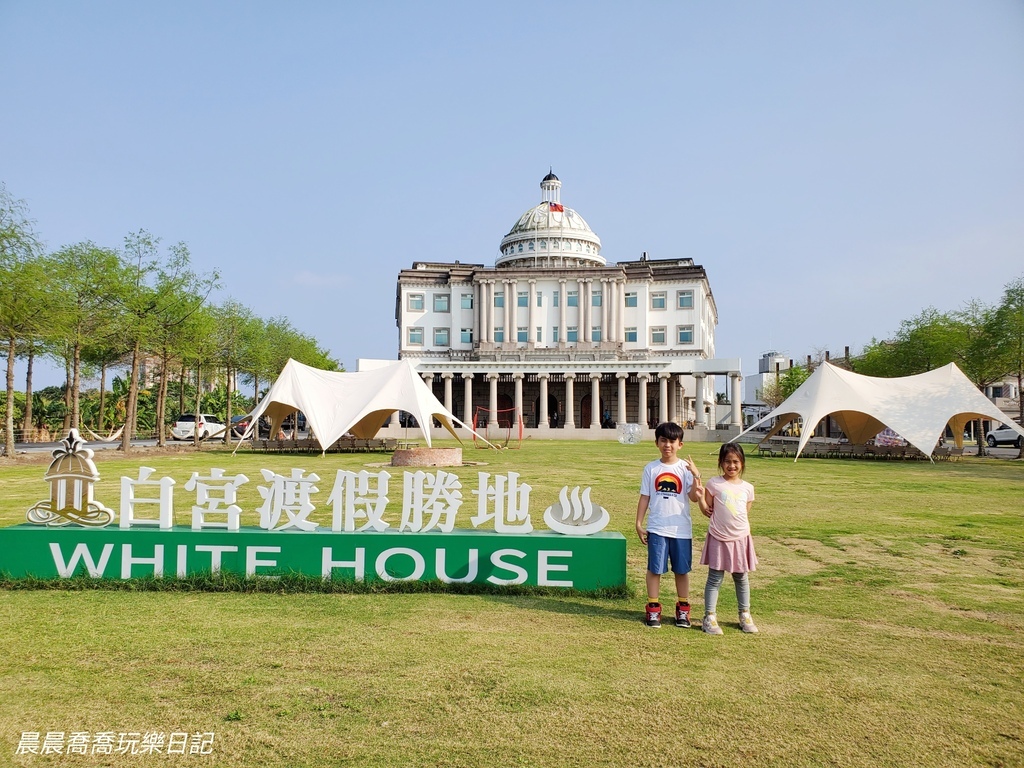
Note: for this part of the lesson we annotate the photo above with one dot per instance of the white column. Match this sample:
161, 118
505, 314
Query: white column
586, 310
428, 379
699, 419
678, 400
663, 397
517, 378
621, 418
514, 290
531, 314
467, 408
478, 313
447, 377
606, 331
736, 400
641, 408
543, 418
510, 311
620, 311
496, 316
595, 401
492, 419
485, 311
581, 322
562, 299
570, 407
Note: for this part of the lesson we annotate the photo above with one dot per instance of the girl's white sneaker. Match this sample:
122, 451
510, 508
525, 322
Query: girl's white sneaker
710, 624
747, 623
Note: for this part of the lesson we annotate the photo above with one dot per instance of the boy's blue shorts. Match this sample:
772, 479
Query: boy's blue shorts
661, 549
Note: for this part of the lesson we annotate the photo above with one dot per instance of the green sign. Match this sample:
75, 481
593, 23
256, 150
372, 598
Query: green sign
539, 558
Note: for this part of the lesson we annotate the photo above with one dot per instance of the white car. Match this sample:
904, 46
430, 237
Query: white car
185, 427
1004, 434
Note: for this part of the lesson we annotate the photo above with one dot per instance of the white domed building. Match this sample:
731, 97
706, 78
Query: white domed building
554, 333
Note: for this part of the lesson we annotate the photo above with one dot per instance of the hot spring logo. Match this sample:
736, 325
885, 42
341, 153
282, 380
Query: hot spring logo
71, 476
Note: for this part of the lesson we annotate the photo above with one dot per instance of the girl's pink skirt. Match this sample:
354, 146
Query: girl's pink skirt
730, 556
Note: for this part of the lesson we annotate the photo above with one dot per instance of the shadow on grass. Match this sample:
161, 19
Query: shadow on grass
575, 605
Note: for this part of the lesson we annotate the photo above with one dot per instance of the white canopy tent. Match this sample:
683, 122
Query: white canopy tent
918, 408
359, 404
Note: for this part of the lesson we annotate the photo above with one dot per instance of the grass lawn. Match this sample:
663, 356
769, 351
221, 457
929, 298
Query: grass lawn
889, 600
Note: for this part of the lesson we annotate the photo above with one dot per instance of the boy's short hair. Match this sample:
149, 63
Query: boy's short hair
669, 430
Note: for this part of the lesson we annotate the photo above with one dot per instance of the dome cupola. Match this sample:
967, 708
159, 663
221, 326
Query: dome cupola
550, 235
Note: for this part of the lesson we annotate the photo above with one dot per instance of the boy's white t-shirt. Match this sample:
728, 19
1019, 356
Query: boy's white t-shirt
668, 486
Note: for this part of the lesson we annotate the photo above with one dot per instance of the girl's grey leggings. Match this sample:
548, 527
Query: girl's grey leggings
714, 583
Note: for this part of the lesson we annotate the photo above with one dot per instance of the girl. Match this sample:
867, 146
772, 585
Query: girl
729, 546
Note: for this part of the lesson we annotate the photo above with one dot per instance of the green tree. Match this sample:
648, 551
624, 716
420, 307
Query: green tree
85, 283
235, 325
1008, 327
162, 292
791, 380
974, 342
103, 355
925, 342
21, 301
28, 351
199, 353
48, 410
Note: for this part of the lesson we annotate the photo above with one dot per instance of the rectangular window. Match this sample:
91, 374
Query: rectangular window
499, 299
554, 299
442, 337
522, 334
573, 299
442, 302
467, 301
658, 300
416, 337
499, 335
522, 299
595, 333
658, 335
466, 335
554, 335
685, 333
631, 299
595, 299
415, 302
571, 333
684, 299
631, 334
539, 297
540, 334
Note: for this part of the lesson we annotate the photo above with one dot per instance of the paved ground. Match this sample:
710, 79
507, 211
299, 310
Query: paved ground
97, 446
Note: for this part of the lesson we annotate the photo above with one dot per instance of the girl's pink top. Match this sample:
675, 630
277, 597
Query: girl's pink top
729, 516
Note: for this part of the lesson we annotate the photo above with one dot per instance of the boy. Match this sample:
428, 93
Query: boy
667, 487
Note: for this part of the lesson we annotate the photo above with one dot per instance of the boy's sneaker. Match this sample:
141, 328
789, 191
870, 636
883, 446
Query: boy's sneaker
682, 614
653, 615
747, 623
710, 625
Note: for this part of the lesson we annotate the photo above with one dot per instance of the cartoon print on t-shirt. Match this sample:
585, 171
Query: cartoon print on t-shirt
735, 500
668, 482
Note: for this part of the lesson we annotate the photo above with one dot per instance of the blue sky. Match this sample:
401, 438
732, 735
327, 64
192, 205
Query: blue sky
835, 167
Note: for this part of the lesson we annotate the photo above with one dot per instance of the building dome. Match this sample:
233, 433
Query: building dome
550, 235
